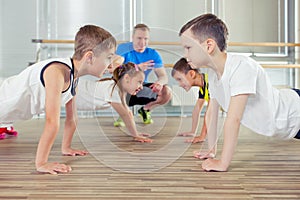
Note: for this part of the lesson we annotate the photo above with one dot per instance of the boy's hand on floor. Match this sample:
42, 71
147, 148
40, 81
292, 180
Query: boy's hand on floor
142, 139
145, 134
54, 168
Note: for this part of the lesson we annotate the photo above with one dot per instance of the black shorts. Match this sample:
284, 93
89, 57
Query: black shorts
297, 90
298, 134
143, 97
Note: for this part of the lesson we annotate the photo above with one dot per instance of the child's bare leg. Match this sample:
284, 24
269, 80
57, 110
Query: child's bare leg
202, 136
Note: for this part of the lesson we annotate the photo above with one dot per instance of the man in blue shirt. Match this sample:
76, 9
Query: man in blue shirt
148, 59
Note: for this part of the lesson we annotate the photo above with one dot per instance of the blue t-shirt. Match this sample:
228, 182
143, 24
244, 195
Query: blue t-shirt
130, 55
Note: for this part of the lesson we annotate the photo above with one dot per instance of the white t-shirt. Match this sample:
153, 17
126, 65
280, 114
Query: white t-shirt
23, 95
269, 111
96, 95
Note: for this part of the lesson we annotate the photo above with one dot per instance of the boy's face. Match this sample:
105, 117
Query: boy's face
140, 40
194, 51
102, 62
184, 80
116, 62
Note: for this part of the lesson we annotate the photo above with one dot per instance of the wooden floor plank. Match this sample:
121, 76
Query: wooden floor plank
263, 168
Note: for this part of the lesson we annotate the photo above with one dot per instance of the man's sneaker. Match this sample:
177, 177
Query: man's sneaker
146, 115
119, 123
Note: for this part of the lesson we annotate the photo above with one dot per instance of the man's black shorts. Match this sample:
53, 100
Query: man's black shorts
143, 97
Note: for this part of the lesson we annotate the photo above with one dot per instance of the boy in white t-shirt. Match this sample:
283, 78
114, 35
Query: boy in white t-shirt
241, 86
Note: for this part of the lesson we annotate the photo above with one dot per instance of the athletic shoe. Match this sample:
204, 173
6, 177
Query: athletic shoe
7, 131
119, 123
146, 115
2, 133
11, 131
2, 136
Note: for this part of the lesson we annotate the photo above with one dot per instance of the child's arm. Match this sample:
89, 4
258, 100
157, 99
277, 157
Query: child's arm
54, 85
211, 120
128, 119
196, 114
203, 133
70, 127
204, 128
231, 130
195, 121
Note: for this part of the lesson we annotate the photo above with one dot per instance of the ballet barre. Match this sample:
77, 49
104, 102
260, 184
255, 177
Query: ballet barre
253, 44
279, 66
248, 44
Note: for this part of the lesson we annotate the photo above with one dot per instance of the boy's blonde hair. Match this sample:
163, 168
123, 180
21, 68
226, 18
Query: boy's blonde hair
92, 38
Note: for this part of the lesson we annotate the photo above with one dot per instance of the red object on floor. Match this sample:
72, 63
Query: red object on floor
11, 131
7, 131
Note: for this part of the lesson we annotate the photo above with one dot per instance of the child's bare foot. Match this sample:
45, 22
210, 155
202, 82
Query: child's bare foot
186, 134
203, 155
195, 140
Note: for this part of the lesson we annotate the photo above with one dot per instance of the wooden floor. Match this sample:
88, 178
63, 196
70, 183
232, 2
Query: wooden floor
118, 168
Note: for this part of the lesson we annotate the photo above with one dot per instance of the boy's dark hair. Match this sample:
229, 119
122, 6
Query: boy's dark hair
182, 66
208, 26
142, 27
92, 38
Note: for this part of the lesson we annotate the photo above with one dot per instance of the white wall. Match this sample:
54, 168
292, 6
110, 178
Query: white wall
61, 19
18, 25
247, 20
165, 19
72, 14
252, 21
